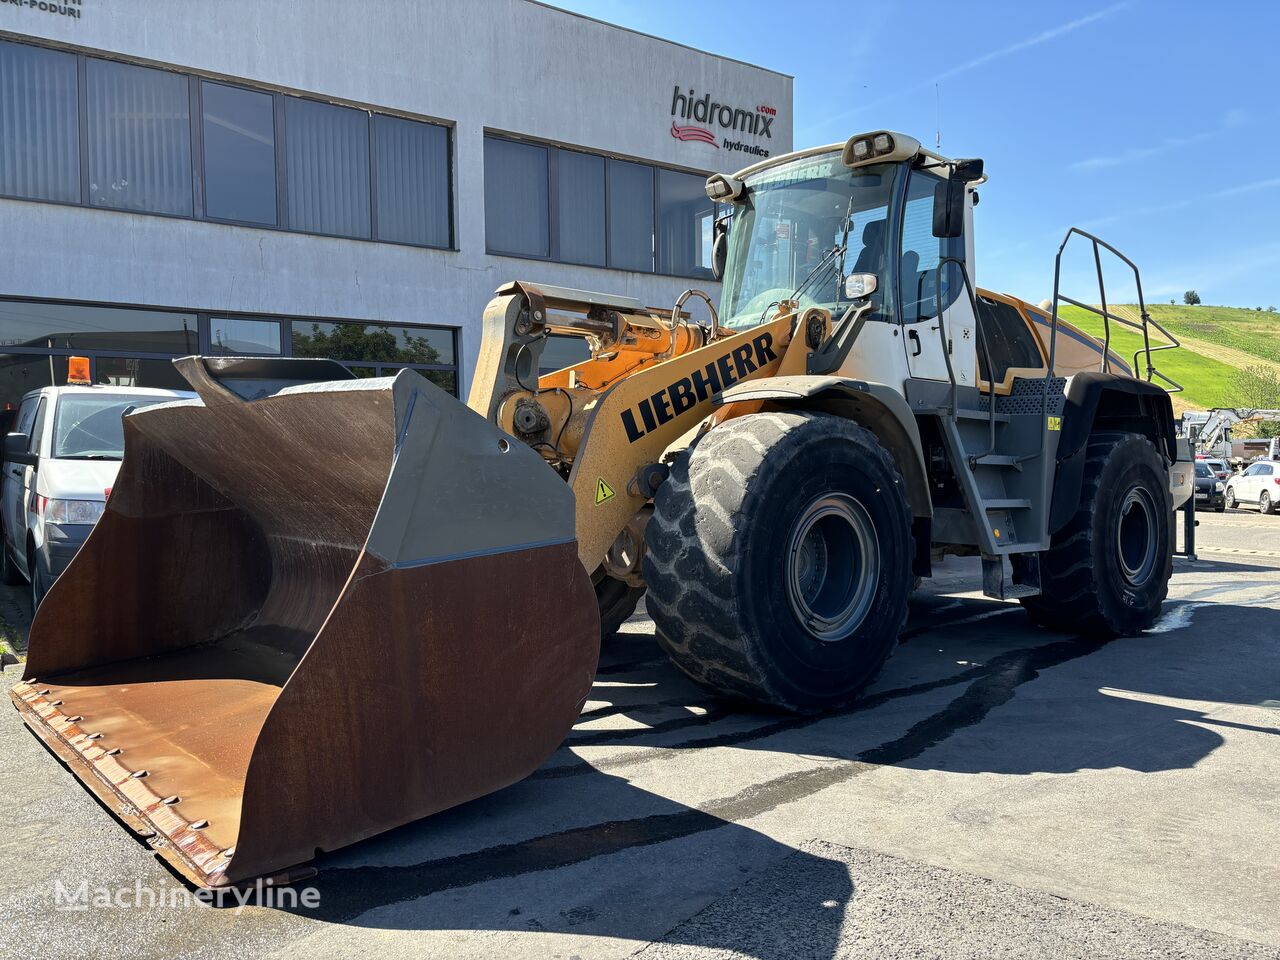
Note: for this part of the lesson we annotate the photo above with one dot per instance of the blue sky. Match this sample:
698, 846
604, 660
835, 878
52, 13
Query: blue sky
1153, 123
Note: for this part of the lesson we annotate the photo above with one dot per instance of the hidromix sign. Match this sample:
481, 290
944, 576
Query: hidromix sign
756, 121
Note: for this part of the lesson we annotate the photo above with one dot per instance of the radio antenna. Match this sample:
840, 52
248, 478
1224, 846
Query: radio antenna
937, 107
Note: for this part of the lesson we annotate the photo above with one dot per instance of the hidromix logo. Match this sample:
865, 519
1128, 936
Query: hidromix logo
687, 105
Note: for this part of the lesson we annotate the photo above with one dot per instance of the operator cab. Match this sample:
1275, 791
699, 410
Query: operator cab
876, 220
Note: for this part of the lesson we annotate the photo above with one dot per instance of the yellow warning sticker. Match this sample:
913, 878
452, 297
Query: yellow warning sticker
603, 491
1055, 424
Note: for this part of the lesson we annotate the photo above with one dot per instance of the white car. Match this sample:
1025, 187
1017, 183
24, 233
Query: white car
59, 465
1259, 484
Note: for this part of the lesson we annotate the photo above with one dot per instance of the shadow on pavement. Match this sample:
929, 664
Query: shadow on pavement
960, 661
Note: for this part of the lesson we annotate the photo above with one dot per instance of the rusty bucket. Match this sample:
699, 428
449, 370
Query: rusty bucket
311, 612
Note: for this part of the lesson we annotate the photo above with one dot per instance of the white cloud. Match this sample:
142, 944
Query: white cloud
1044, 36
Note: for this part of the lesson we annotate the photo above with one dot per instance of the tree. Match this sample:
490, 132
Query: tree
1256, 388
1191, 298
1271, 309
369, 343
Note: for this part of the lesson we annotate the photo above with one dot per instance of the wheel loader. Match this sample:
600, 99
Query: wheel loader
316, 608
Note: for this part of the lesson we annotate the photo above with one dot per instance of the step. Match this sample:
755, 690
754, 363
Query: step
998, 460
962, 413
965, 413
1016, 503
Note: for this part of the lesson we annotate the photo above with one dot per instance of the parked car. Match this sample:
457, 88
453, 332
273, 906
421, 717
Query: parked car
1210, 491
59, 464
1259, 484
1221, 469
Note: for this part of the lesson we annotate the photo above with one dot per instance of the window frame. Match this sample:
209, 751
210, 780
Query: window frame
204, 318
553, 212
196, 133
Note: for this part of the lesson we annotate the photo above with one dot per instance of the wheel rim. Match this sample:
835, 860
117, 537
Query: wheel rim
833, 566
1264, 501
1230, 498
1136, 536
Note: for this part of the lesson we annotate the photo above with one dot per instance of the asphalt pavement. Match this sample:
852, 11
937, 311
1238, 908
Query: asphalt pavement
1001, 791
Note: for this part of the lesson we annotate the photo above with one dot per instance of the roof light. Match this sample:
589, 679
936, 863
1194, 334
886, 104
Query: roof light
78, 371
723, 189
879, 146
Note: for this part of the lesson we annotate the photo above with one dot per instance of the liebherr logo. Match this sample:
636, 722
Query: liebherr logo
681, 396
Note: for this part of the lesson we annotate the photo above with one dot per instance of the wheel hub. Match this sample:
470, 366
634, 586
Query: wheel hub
1136, 536
833, 566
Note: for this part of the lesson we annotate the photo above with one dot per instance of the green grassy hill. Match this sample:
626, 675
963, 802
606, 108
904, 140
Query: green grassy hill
1219, 345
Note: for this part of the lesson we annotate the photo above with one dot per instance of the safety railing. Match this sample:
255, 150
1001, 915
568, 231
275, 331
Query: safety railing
1102, 310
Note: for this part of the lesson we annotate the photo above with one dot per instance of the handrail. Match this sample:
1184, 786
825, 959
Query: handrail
1107, 316
982, 341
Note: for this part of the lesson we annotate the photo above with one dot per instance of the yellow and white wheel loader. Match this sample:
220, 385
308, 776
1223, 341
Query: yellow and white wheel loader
313, 611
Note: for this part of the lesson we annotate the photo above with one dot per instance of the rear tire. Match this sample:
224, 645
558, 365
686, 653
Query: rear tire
1107, 572
778, 560
1264, 503
617, 602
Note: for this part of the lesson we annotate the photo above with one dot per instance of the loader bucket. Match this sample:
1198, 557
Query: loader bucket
310, 613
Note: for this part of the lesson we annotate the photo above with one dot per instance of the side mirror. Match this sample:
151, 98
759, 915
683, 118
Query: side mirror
15, 449
719, 247
858, 286
948, 209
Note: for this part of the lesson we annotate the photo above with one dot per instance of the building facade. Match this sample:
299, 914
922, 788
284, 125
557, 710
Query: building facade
345, 180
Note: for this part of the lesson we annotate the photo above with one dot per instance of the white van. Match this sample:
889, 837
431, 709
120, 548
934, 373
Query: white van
59, 465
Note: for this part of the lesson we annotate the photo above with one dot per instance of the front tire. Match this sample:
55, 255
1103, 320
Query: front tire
10, 573
778, 560
1107, 571
1229, 499
38, 584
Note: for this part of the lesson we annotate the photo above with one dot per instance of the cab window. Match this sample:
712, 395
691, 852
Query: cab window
37, 430
1008, 338
922, 252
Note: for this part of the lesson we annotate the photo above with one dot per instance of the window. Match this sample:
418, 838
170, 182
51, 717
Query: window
372, 341
516, 219
349, 172
1010, 341
685, 218
39, 124
232, 337
630, 216
560, 351
20, 374
90, 426
239, 132
139, 138
37, 428
413, 181
580, 207
157, 372
76, 328
922, 252
553, 203
328, 163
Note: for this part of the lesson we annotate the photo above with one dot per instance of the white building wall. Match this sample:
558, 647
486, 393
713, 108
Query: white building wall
502, 65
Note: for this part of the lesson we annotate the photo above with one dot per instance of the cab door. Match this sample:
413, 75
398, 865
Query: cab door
27, 506
927, 346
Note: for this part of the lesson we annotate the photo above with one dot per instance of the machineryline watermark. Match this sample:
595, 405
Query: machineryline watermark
82, 897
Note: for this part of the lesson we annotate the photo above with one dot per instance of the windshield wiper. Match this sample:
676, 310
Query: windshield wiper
89, 456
